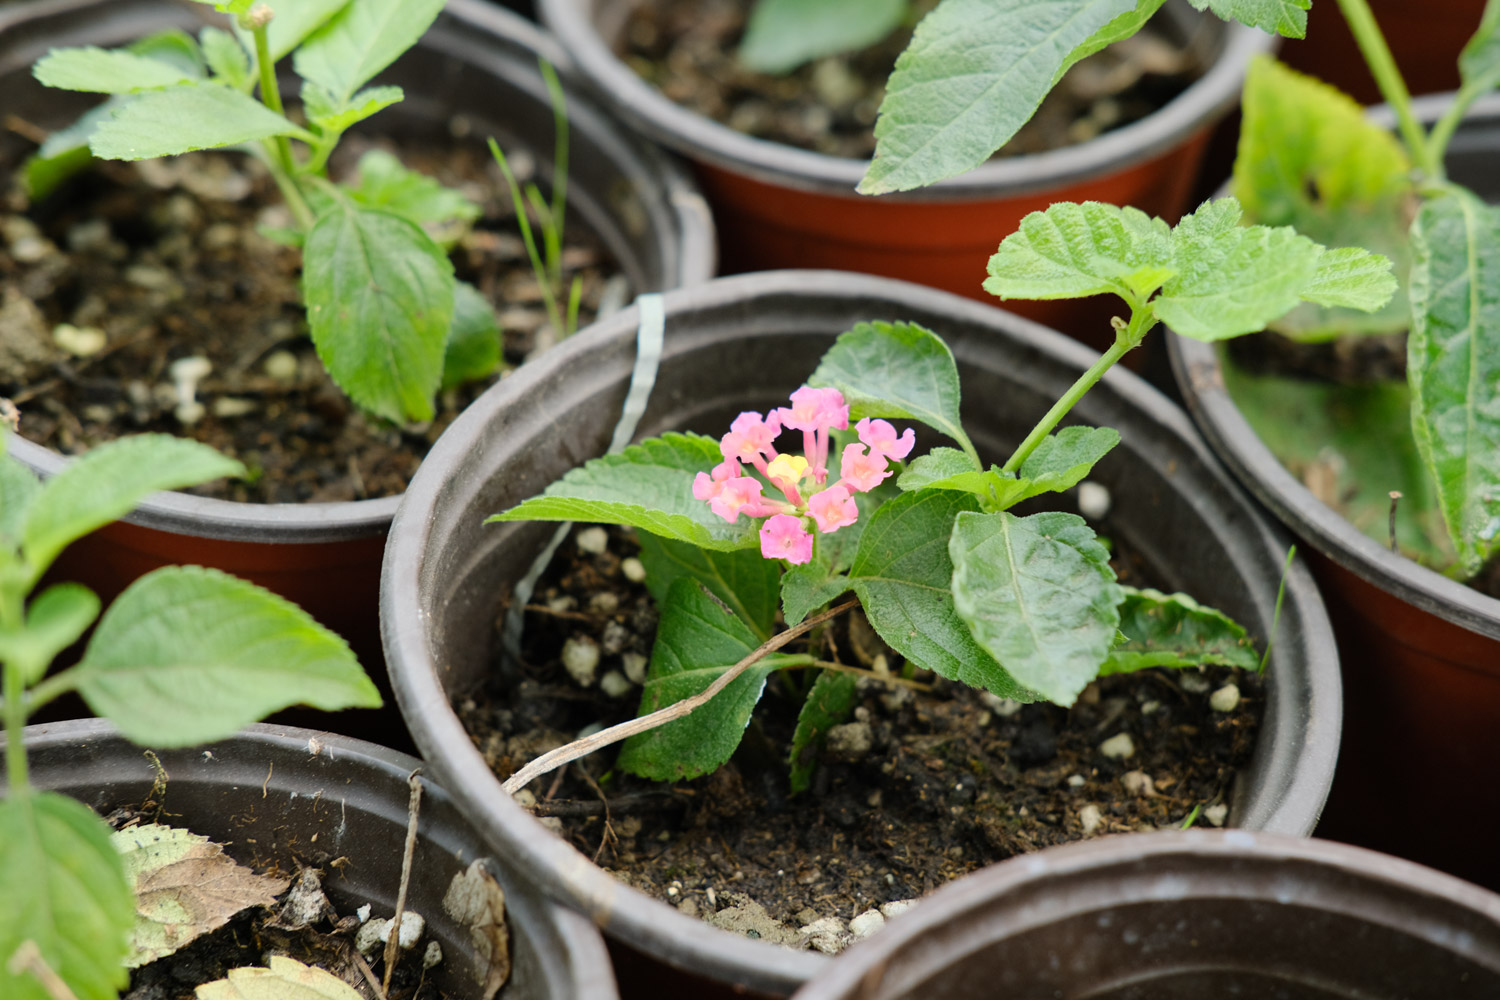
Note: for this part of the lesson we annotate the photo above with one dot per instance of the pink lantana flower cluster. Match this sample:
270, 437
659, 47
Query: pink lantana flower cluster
806, 499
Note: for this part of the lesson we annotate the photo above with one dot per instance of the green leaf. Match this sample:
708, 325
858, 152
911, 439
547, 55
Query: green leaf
944, 469
333, 116
361, 40
295, 21
1173, 630
56, 619
385, 183
1275, 17
1039, 595
473, 348
283, 979
102, 71
648, 485
64, 889
807, 587
748, 583
1071, 251
1453, 365
108, 482
232, 7
783, 34
1309, 159
975, 71
19, 487
1121, 28
174, 47
903, 575
1479, 63
184, 118
379, 296
188, 654
1059, 463
698, 639
227, 58
828, 704
895, 370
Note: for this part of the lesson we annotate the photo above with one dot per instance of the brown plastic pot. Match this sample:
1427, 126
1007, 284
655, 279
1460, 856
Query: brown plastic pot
1421, 652
777, 206
280, 797
742, 343
477, 61
1185, 916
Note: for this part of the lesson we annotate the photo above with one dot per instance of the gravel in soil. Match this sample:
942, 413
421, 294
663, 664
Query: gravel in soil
925, 782
133, 266
687, 49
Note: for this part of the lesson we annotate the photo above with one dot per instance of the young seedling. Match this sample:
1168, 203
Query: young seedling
736, 532
185, 655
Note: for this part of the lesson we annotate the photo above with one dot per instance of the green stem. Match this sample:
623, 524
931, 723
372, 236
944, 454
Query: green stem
49, 688
1142, 319
1387, 76
283, 166
1442, 132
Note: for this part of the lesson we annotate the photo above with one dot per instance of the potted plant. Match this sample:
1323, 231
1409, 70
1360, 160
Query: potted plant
1404, 575
1196, 913
745, 342
472, 61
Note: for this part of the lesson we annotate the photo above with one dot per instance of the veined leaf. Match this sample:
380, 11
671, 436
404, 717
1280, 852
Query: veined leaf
1173, 630
1479, 63
56, 618
186, 117
1039, 595
1453, 365
295, 21
748, 583
333, 116
828, 704
360, 40
105, 71
1121, 28
19, 487
1072, 250
903, 575
698, 639
473, 348
1275, 17
975, 71
895, 370
283, 978
385, 183
945, 469
187, 654
64, 889
648, 485
1059, 463
783, 34
807, 587
227, 58
379, 298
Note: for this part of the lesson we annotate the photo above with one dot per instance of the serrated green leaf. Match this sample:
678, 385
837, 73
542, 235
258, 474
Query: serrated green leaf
1039, 595
64, 889
903, 575
174, 47
944, 469
783, 34
975, 71
385, 183
748, 583
108, 482
697, 640
1479, 63
1173, 630
649, 486
56, 619
226, 58
1059, 463
895, 370
379, 296
105, 71
361, 40
828, 704
333, 116
1453, 365
184, 118
807, 587
1287, 18
283, 979
1119, 29
188, 654
473, 348
1072, 250
295, 21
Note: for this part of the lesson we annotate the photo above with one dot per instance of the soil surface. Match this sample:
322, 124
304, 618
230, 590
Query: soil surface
1350, 360
164, 260
687, 49
924, 783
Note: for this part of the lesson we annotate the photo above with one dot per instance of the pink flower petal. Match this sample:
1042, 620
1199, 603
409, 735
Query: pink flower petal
861, 469
833, 508
784, 537
881, 437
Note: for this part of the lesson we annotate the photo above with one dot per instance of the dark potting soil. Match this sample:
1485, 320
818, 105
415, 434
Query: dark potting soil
164, 258
1349, 360
925, 782
687, 49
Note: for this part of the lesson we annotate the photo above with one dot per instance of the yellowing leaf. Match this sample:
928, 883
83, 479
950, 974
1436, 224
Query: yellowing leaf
285, 979
476, 901
185, 886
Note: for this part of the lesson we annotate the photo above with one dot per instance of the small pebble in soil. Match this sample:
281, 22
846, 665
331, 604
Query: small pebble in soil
635, 666
1076, 781
432, 956
79, 341
634, 569
615, 684
1216, 814
280, 365
1225, 699
1138, 783
580, 658
1090, 816
1120, 747
829, 935
1192, 682
1093, 500
896, 907
593, 540
866, 923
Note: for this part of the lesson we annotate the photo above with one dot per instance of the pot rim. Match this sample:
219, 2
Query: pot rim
1199, 376
976, 895
701, 138
185, 514
646, 923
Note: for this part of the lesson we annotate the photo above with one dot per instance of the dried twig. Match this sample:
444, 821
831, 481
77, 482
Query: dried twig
393, 943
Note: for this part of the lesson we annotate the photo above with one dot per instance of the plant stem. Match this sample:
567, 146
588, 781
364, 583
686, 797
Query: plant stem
1141, 321
283, 166
1387, 76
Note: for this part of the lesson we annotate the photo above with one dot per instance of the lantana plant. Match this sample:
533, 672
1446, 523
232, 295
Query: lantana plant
738, 532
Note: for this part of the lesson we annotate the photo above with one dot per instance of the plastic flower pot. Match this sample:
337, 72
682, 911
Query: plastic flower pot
1172, 916
743, 343
778, 206
1421, 652
279, 797
477, 60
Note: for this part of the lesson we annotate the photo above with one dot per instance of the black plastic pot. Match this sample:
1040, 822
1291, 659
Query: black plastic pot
285, 797
477, 62
1421, 652
743, 343
1186, 916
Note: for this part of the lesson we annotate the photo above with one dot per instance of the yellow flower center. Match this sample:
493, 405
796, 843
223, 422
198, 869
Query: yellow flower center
787, 468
